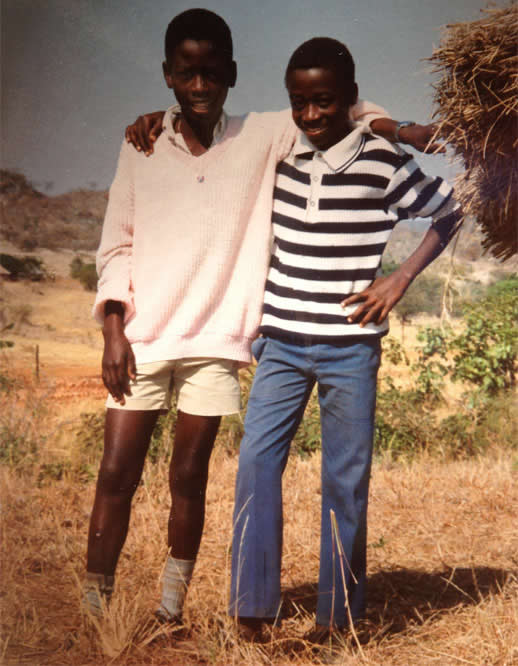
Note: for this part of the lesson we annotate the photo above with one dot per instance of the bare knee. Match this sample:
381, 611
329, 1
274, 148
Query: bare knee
115, 481
189, 480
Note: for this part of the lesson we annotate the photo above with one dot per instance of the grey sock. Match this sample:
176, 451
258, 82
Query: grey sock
97, 592
175, 581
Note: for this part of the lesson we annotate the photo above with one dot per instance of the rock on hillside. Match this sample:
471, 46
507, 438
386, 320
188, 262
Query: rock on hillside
32, 220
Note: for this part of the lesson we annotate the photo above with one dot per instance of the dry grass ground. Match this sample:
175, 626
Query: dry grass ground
442, 560
442, 569
443, 539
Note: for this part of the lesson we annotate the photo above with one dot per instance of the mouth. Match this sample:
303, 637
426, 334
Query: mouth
201, 103
315, 133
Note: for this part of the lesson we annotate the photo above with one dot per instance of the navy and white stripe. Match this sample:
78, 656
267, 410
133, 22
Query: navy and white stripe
333, 214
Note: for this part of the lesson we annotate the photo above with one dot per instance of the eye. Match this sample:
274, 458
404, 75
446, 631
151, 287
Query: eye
184, 74
324, 102
212, 76
297, 103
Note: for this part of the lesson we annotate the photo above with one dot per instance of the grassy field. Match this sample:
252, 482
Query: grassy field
443, 538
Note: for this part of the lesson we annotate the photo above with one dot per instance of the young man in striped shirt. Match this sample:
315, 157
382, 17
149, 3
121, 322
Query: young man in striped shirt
337, 198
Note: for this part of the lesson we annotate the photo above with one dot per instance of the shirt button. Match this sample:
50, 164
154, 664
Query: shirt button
200, 179
315, 178
311, 203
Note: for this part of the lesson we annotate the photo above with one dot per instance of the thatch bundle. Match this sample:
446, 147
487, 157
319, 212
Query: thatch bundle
477, 112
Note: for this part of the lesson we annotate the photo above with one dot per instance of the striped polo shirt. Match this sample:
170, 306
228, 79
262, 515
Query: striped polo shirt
333, 213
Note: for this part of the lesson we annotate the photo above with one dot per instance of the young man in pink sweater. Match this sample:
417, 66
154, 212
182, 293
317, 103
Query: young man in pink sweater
182, 266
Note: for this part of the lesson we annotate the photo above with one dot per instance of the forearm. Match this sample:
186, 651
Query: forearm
385, 127
113, 318
420, 137
388, 129
429, 249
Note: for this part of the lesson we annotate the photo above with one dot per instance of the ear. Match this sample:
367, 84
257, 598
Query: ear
167, 74
232, 74
354, 95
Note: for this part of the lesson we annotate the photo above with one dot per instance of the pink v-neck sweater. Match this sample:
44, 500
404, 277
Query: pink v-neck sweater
186, 240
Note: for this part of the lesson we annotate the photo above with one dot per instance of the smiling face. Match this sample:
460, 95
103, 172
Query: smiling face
320, 105
200, 77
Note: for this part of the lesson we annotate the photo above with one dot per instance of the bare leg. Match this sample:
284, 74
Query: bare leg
126, 440
194, 441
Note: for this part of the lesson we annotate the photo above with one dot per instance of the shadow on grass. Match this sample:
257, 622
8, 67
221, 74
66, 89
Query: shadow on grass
401, 596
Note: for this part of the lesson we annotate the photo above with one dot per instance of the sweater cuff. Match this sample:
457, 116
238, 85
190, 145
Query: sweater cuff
122, 296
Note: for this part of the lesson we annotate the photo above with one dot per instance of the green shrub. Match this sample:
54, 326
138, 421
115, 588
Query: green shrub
485, 353
85, 273
25, 268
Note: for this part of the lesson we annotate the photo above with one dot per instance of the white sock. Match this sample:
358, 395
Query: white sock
97, 592
175, 581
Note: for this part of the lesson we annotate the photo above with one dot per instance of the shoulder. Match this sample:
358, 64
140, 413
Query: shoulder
270, 120
266, 124
379, 149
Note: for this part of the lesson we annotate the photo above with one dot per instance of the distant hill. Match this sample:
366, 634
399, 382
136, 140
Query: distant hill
405, 239
32, 220
73, 221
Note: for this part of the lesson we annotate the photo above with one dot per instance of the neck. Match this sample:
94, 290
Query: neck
197, 135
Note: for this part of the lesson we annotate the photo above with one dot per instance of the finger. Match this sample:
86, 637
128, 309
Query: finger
384, 314
113, 381
156, 130
370, 314
142, 136
122, 377
358, 313
132, 365
355, 298
131, 137
111, 384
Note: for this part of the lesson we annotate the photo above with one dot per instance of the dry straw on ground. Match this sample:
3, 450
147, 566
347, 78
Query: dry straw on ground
477, 100
442, 567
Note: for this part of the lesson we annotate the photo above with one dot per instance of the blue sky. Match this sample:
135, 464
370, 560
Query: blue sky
76, 72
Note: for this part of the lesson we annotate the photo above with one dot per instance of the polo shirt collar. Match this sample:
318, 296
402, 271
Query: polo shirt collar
176, 138
338, 156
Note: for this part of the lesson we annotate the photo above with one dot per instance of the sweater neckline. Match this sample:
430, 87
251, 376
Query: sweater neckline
214, 152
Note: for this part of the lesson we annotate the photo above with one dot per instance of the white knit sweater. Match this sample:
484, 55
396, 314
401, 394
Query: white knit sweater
186, 240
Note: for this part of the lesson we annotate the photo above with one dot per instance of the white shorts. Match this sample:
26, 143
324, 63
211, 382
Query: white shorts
203, 386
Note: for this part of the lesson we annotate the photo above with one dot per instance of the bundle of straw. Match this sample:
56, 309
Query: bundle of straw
477, 114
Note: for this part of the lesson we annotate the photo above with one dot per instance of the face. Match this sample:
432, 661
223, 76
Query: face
200, 77
318, 105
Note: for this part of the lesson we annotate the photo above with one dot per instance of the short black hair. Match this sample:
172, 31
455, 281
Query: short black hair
329, 54
198, 24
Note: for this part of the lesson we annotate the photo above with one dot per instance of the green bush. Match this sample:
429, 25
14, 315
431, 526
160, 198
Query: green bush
485, 353
85, 273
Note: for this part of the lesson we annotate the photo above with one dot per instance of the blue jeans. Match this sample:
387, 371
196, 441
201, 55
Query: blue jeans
286, 373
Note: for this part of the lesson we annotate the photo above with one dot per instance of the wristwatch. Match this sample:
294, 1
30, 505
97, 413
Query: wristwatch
400, 125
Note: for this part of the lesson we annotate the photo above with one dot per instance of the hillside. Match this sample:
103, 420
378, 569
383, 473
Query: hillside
32, 220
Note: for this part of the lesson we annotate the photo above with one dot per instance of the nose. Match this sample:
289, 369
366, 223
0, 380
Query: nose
199, 83
311, 113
